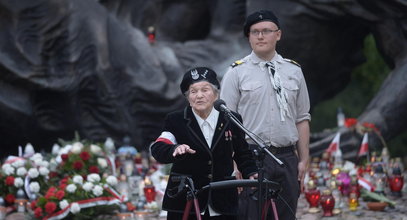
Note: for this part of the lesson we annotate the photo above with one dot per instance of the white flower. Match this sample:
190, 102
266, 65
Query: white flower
37, 161
77, 179
111, 180
87, 186
75, 208
5, 166
58, 159
53, 164
18, 163
36, 156
34, 187
71, 188
18, 182
33, 173
55, 149
77, 147
21, 171
94, 178
42, 163
102, 162
63, 204
97, 190
95, 149
8, 170
65, 150
44, 171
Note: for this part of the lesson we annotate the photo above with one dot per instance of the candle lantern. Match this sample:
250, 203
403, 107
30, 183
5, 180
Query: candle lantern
368, 169
396, 182
379, 179
354, 186
344, 179
123, 187
335, 171
312, 175
21, 201
312, 194
149, 190
151, 35
353, 201
373, 158
128, 166
324, 165
327, 202
320, 180
337, 196
398, 164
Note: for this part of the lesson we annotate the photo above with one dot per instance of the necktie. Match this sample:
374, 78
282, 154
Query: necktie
281, 94
276, 82
271, 68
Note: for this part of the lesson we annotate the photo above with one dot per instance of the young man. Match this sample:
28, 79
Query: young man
271, 95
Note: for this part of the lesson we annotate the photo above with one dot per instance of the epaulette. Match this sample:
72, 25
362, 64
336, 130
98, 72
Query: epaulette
292, 61
236, 63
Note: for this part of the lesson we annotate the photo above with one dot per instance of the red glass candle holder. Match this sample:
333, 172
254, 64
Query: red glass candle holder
149, 193
151, 35
327, 202
396, 183
313, 196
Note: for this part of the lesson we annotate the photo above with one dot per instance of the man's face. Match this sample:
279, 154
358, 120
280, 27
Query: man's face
263, 37
201, 97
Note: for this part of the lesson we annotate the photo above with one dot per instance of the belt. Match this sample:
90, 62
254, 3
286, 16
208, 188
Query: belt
280, 150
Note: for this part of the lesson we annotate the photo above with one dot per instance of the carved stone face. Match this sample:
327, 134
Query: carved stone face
264, 44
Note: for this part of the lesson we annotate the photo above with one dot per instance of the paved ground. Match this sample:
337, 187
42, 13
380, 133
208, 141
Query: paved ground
397, 213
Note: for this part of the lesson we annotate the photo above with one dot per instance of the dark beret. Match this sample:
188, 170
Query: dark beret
196, 75
259, 16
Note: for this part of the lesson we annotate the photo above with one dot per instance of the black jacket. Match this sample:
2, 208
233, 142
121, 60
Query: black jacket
207, 164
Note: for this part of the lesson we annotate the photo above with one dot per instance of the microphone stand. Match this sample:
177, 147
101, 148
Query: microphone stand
260, 158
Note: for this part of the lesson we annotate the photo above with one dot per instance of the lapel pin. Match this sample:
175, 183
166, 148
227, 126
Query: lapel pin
220, 127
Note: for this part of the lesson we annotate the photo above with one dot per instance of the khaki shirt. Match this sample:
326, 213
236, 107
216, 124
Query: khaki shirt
247, 89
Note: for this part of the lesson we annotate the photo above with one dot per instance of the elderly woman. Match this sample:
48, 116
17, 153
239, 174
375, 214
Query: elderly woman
202, 144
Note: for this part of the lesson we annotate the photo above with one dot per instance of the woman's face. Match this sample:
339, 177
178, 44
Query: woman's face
201, 96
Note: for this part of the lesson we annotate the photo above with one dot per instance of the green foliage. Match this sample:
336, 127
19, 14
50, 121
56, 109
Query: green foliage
375, 197
365, 82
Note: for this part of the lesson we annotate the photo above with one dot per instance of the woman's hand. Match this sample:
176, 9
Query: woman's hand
182, 149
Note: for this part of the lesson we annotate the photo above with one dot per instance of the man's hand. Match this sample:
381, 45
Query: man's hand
183, 149
302, 168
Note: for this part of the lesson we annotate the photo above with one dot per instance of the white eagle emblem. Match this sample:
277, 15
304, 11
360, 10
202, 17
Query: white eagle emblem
194, 74
261, 16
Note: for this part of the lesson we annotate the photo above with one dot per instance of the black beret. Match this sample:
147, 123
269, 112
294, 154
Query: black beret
196, 75
258, 16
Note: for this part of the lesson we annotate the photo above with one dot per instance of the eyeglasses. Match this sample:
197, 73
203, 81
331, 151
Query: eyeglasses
263, 32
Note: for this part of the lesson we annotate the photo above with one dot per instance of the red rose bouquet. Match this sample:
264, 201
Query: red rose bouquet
78, 198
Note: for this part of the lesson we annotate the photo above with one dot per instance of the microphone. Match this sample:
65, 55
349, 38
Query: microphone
220, 105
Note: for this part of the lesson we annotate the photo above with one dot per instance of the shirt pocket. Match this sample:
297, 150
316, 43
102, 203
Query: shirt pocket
291, 89
251, 92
